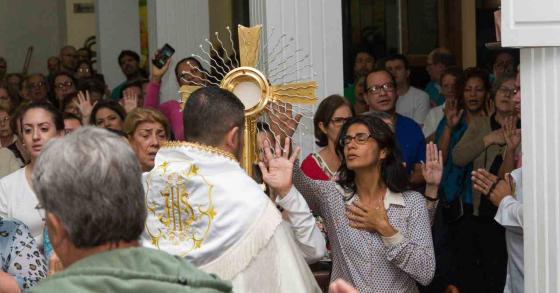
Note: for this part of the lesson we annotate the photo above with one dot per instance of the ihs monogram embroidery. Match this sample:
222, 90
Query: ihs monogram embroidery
175, 222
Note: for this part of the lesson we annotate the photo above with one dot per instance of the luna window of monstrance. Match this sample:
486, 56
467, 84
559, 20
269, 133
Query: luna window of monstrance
264, 102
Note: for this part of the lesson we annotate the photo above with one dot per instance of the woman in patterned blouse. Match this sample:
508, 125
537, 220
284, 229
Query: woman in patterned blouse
379, 232
22, 264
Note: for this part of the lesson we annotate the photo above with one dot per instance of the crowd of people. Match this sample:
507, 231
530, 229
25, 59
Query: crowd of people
410, 190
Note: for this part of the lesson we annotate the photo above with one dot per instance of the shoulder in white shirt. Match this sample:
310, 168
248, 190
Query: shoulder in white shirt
414, 104
17, 200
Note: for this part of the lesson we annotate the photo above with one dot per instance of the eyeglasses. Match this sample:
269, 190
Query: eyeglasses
509, 92
5, 119
338, 121
376, 89
361, 138
64, 84
83, 69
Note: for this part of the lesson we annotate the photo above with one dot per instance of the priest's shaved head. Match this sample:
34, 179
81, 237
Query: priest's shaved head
215, 117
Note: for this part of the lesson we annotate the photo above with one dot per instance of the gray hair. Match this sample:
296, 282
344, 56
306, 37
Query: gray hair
92, 181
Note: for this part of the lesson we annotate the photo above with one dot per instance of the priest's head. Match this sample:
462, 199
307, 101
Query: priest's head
215, 117
89, 184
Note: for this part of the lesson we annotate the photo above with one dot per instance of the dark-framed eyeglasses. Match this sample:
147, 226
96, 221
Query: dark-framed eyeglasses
376, 89
338, 121
64, 84
360, 138
509, 92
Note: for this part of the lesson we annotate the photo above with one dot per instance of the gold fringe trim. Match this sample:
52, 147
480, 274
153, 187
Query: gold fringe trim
199, 146
236, 259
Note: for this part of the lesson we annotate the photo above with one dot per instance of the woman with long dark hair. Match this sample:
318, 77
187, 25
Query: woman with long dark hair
379, 231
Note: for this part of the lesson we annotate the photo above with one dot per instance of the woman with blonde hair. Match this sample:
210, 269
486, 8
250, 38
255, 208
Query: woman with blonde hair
147, 129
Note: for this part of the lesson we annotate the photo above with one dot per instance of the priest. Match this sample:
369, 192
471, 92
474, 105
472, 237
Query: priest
204, 207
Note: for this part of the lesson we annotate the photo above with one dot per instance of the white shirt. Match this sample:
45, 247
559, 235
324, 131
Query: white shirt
432, 120
510, 216
17, 200
414, 104
302, 223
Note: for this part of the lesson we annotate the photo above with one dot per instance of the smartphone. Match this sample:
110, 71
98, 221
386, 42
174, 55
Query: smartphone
163, 55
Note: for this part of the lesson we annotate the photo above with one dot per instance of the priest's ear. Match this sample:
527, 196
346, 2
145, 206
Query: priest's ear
233, 139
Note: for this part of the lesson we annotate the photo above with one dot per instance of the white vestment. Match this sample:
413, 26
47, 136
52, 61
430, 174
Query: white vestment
202, 206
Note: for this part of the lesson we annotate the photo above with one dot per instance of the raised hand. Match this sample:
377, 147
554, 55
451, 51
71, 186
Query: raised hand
495, 137
129, 101
452, 113
490, 107
84, 105
158, 73
512, 135
277, 172
283, 122
491, 186
432, 169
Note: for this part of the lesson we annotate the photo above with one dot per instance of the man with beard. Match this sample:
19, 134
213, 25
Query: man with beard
204, 207
129, 61
381, 96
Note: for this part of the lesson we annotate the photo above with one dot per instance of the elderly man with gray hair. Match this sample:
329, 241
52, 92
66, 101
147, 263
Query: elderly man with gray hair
89, 184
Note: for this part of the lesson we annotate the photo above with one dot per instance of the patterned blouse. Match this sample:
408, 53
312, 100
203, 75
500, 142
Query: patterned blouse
368, 261
19, 255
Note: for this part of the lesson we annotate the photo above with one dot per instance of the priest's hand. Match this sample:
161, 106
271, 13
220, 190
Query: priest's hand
370, 218
277, 172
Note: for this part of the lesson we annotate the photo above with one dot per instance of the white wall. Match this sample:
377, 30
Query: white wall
37, 23
118, 28
184, 24
316, 27
79, 26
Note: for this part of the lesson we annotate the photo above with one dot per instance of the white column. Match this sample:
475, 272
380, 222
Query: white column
540, 77
534, 26
316, 26
184, 24
118, 28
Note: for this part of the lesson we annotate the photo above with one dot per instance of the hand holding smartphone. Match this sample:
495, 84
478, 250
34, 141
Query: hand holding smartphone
163, 55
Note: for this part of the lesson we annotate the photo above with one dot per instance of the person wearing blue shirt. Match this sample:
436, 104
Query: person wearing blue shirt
381, 96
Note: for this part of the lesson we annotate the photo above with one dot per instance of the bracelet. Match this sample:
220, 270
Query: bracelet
430, 198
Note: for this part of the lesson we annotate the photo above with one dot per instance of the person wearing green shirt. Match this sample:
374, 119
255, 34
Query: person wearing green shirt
364, 62
90, 185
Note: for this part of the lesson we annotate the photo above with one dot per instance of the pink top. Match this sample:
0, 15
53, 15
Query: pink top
171, 109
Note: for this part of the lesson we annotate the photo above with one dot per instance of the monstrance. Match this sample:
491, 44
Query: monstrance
253, 88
